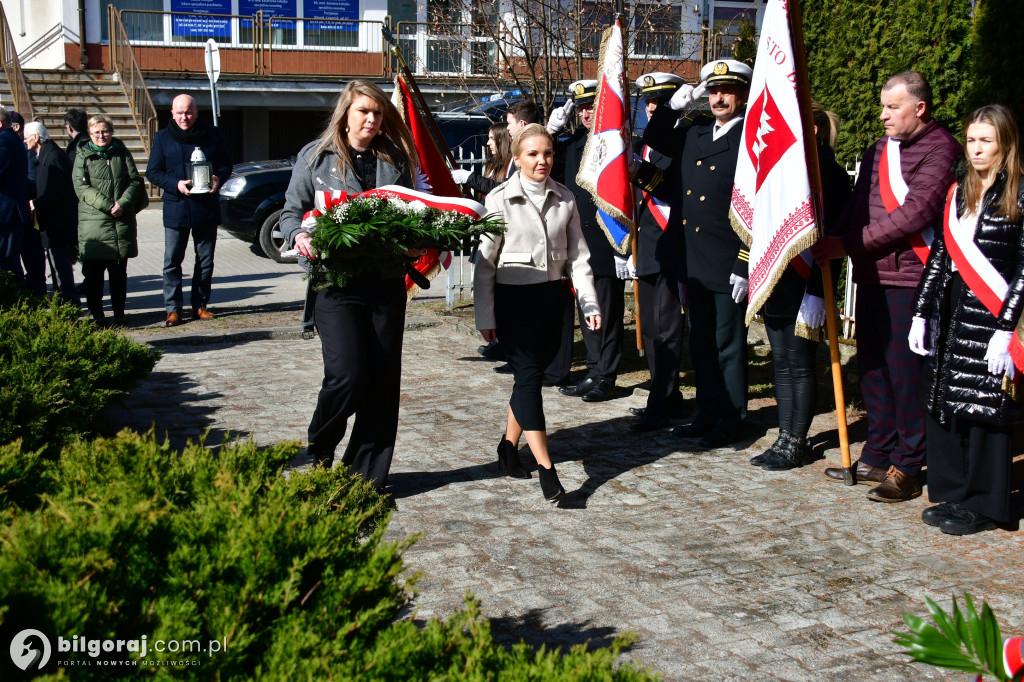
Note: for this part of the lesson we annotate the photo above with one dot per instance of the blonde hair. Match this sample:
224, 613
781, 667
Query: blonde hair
98, 119
827, 123
531, 130
392, 129
1008, 139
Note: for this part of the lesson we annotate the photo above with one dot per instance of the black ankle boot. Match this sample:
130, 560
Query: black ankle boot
508, 459
550, 486
759, 460
794, 453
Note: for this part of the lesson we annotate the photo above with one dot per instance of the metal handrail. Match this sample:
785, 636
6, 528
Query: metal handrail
12, 68
122, 59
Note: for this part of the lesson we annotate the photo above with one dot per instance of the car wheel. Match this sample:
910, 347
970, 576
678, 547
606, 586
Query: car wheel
271, 239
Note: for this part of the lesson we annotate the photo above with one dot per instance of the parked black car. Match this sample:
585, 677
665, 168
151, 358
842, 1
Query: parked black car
251, 202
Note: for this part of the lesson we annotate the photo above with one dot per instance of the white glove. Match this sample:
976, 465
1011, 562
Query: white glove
630, 267
998, 354
812, 311
560, 116
918, 330
460, 176
621, 266
423, 182
634, 163
685, 96
740, 287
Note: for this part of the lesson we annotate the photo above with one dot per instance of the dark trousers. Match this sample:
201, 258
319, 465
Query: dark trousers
63, 272
971, 464
890, 379
204, 241
718, 349
361, 328
92, 274
529, 320
796, 386
10, 250
661, 324
558, 368
34, 260
604, 346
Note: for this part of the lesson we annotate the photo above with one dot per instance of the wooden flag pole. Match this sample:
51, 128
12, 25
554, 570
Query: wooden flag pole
803, 92
633, 236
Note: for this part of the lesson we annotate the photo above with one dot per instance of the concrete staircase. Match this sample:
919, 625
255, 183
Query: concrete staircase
55, 91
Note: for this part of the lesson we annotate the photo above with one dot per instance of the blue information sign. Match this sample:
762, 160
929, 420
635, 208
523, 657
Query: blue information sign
332, 9
271, 8
191, 24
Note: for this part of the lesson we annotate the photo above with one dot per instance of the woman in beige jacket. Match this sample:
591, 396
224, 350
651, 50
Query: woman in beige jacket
519, 297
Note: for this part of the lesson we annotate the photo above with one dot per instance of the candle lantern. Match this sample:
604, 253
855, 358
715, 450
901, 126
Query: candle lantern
201, 173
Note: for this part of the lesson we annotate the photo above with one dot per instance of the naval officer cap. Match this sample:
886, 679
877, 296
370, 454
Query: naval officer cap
726, 72
658, 84
583, 92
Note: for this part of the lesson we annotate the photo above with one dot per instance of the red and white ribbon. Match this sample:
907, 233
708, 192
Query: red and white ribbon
980, 276
894, 193
659, 209
324, 201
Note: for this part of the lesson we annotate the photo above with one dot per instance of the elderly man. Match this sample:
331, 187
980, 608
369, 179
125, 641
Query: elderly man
15, 213
56, 205
187, 211
705, 155
885, 229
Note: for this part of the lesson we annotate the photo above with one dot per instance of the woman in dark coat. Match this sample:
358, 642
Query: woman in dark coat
366, 145
109, 189
966, 307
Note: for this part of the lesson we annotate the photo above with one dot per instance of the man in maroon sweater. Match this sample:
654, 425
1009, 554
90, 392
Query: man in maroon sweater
886, 229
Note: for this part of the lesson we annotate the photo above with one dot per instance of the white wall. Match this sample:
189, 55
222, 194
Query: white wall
40, 28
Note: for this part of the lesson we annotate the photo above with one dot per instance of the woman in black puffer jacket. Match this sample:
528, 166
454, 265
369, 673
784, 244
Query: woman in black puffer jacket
967, 305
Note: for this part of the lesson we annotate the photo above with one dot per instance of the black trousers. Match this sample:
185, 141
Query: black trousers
558, 368
661, 324
604, 346
529, 320
718, 348
361, 328
92, 274
796, 386
970, 463
34, 260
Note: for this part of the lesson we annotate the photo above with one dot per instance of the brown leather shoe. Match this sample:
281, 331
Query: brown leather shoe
864, 474
173, 319
202, 313
897, 487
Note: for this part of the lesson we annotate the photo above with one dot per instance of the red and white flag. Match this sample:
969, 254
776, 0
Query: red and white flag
772, 209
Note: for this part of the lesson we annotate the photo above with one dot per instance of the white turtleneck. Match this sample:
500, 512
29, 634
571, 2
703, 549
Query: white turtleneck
536, 192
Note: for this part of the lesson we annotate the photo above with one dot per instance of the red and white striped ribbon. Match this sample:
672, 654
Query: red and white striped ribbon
894, 193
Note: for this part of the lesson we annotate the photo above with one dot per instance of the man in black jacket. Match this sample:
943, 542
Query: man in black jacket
604, 345
76, 123
705, 155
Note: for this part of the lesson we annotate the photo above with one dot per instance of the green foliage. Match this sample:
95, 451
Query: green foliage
972, 644
57, 372
997, 56
745, 47
367, 234
291, 574
854, 46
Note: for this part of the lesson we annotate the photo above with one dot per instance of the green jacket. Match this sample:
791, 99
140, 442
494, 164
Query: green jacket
100, 181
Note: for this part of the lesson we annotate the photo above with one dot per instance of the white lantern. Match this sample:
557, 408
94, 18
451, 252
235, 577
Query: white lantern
202, 170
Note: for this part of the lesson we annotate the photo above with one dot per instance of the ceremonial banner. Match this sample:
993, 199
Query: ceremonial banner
604, 170
772, 209
433, 166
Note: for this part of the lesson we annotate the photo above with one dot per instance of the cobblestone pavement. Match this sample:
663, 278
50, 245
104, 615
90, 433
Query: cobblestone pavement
726, 572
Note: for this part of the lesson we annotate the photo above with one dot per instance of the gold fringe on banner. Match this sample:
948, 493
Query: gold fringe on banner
792, 251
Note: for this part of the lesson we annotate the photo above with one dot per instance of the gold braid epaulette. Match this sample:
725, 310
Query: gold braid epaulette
648, 176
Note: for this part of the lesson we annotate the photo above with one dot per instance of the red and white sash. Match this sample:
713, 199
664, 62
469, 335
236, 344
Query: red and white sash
894, 192
980, 276
659, 209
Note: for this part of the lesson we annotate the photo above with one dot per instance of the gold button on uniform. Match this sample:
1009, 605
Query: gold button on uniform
697, 230
698, 163
684, 221
712, 168
702, 197
687, 192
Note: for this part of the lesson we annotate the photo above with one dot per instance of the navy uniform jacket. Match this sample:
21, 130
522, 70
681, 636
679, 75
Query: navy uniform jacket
658, 250
706, 168
14, 192
602, 260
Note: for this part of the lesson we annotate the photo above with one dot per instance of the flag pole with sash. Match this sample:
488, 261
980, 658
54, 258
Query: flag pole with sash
633, 233
803, 90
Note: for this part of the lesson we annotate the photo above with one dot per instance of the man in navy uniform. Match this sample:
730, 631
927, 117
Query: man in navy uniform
604, 346
716, 258
660, 266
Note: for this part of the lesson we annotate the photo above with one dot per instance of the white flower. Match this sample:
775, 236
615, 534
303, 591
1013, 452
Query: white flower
417, 206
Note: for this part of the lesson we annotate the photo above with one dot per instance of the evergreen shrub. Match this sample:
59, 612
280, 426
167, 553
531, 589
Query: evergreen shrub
57, 372
290, 575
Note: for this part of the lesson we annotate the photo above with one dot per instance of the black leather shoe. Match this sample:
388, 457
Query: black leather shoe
759, 460
550, 486
863, 474
966, 522
579, 389
717, 438
638, 411
491, 351
601, 390
933, 516
647, 423
508, 459
673, 412
695, 429
503, 369
794, 452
